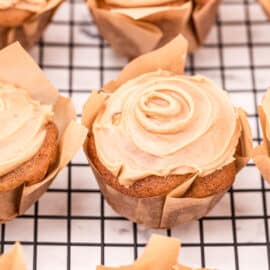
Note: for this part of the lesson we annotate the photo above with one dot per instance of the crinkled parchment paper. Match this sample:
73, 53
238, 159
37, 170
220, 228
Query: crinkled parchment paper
18, 68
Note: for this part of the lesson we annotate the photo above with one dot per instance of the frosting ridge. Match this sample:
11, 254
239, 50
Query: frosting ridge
160, 123
22, 129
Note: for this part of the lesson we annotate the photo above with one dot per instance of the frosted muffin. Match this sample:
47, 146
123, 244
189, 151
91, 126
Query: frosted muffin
38, 134
135, 27
25, 20
164, 147
28, 140
161, 134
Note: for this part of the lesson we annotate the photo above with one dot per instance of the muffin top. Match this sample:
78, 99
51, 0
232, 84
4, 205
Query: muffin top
22, 128
161, 124
31, 5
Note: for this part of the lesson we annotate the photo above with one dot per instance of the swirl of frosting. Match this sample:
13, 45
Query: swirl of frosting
22, 122
31, 5
160, 124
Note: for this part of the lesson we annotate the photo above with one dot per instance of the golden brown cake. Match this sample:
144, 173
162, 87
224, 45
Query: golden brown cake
159, 129
135, 27
28, 140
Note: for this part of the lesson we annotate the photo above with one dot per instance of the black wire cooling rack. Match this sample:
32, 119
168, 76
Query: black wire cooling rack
72, 227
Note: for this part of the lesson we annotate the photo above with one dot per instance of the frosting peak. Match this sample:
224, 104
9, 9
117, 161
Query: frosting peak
160, 123
22, 131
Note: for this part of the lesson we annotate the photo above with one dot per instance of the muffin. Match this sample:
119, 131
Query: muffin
164, 147
38, 134
25, 20
135, 27
261, 154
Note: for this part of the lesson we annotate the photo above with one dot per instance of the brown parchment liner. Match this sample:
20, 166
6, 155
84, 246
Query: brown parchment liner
25, 26
161, 253
266, 6
261, 153
171, 209
131, 38
13, 259
18, 68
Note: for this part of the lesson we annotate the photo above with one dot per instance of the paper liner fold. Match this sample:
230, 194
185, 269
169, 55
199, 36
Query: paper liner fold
266, 6
261, 154
30, 29
13, 259
173, 208
18, 68
132, 35
203, 17
161, 253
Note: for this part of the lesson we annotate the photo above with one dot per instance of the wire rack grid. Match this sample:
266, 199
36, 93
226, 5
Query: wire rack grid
72, 227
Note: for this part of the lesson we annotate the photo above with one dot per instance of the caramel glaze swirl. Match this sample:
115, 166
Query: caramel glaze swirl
160, 124
22, 126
